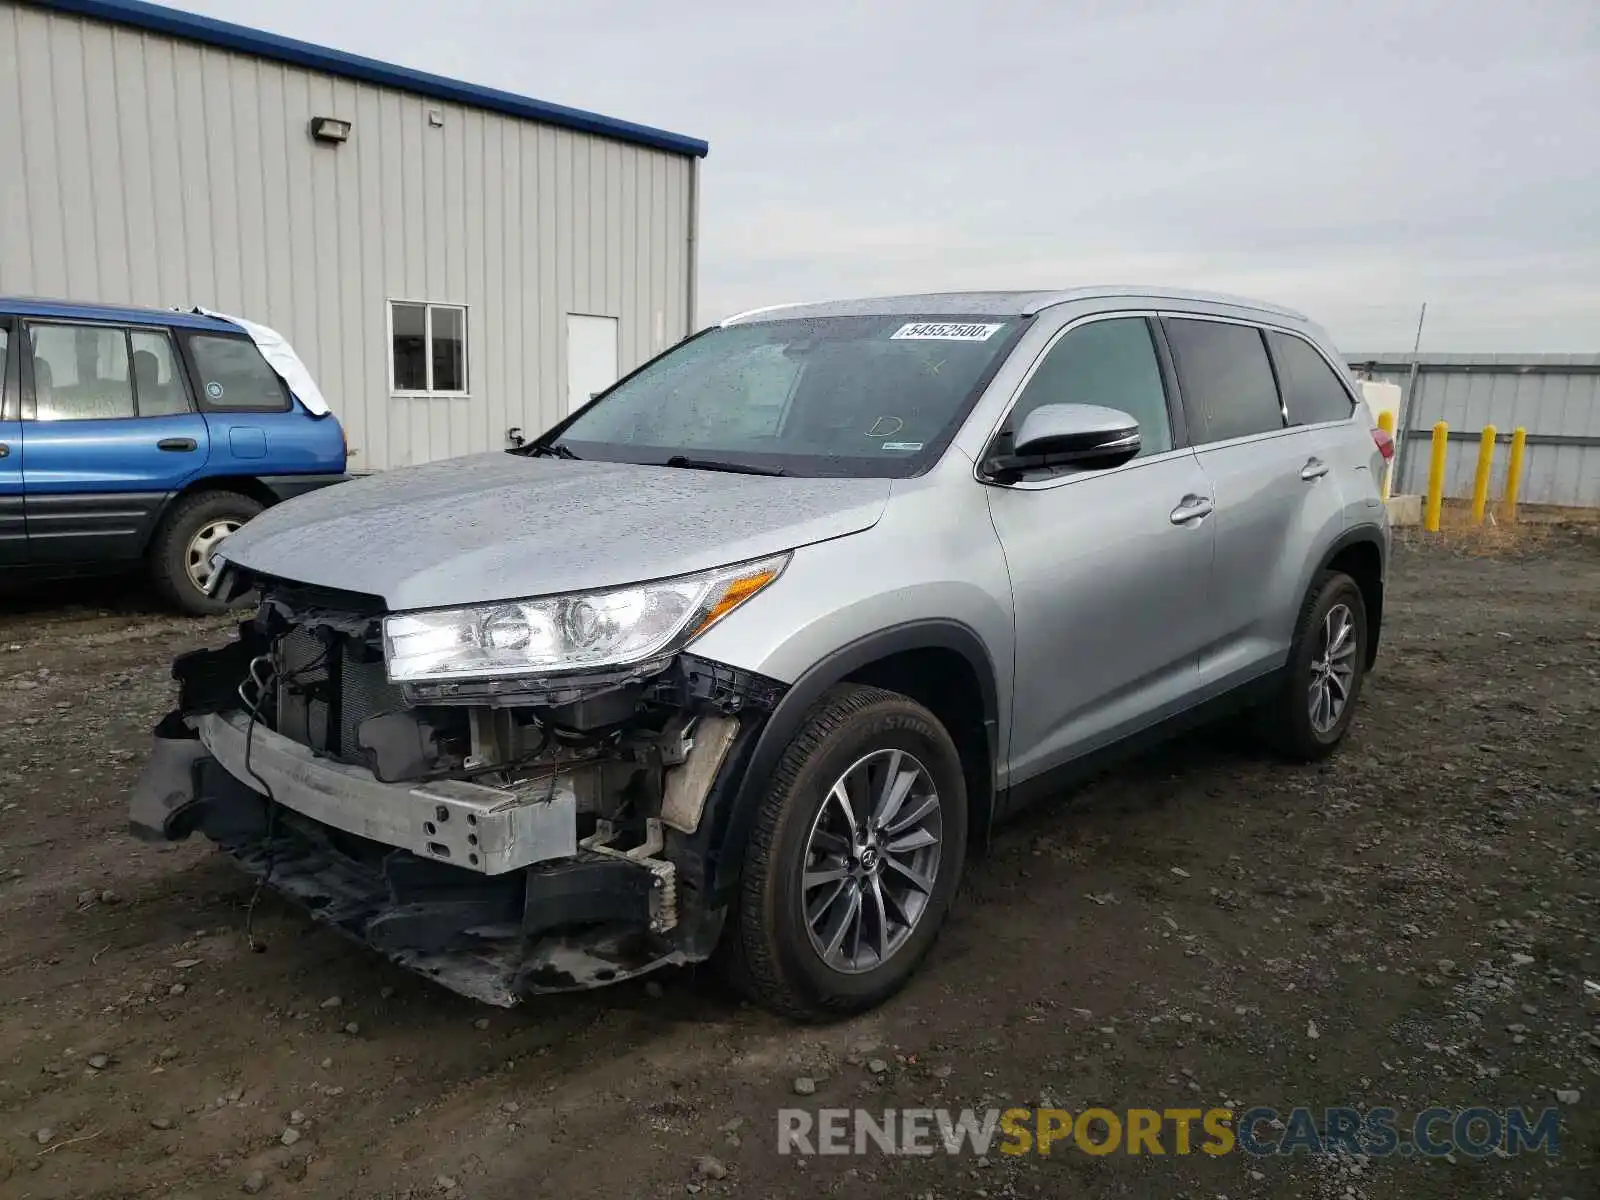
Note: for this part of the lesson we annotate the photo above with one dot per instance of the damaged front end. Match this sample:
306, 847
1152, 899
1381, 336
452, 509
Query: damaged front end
552, 836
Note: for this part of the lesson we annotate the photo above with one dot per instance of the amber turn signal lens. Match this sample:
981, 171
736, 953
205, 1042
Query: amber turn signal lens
735, 594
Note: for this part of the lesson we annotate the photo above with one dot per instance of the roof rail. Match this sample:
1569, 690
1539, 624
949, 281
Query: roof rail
1067, 295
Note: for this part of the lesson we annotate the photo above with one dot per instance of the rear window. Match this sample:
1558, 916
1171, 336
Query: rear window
233, 375
1225, 377
1311, 391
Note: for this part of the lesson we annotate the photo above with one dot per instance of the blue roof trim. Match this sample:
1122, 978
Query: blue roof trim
44, 309
228, 36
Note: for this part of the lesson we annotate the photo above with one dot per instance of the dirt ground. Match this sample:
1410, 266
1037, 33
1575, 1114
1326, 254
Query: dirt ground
1410, 924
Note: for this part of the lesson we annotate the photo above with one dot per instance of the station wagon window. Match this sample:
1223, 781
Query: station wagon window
1111, 363
234, 376
1311, 391
80, 373
157, 378
428, 348
1226, 379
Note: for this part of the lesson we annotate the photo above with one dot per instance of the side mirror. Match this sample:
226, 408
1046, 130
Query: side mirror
1071, 435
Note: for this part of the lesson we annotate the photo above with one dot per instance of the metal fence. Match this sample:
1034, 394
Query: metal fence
1555, 397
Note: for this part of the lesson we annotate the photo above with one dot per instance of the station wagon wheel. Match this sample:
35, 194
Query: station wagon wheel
1310, 712
872, 860
856, 854
197, 558
190, 532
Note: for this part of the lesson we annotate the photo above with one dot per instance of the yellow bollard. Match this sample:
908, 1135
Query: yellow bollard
1386, 423
1430, 520
1519, 445
1480, 481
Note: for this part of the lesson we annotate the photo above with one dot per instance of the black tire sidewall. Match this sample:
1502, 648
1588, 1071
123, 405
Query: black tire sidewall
1335, 589
892, 724
170, 551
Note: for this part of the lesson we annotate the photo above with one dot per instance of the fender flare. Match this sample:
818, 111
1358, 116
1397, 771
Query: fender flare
1372, 535
742, 799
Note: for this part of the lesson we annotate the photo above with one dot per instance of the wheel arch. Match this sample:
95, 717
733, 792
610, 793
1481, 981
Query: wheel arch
242, 485
941, 664
1360, 554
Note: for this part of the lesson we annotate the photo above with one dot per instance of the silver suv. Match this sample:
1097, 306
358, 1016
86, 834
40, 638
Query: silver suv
744, 658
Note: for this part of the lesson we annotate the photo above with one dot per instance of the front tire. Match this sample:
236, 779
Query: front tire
1311, 714
181, 549
855, 857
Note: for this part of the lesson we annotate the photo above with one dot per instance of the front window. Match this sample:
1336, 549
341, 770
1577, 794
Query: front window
865, 396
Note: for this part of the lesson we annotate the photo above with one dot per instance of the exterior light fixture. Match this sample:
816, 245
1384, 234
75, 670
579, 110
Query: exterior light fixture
330, 129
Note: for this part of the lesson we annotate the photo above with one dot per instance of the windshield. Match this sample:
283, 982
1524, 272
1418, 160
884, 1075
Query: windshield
865, 396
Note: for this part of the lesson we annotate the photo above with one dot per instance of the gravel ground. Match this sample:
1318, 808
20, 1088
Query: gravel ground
1410, 924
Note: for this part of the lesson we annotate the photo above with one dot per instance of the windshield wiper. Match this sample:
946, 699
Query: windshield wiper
545, 450
717, 464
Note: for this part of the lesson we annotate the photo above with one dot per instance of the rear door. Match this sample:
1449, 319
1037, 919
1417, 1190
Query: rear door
1276, 500
13, 529
110, 434
1318, 396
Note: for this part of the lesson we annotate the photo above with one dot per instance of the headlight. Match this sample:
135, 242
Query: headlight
582, 631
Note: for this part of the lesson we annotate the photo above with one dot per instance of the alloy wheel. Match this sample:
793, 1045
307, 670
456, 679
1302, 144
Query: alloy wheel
871, 861
1333, 672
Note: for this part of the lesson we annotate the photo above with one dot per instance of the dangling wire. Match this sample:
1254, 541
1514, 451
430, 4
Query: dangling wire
262, 674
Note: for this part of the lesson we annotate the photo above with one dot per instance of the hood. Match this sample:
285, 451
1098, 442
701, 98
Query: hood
500, 526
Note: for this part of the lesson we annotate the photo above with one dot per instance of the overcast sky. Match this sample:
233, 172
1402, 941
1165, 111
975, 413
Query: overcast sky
1350, 157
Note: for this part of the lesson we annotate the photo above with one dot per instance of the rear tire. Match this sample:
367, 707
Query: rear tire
185, 540
776, 947
1309, 717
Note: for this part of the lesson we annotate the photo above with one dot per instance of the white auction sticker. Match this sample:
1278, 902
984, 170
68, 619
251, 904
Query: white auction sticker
943, 331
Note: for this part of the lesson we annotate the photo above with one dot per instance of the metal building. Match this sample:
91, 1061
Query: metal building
452, 262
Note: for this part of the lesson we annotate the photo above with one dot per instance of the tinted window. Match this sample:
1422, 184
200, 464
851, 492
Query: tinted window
156, 376
80, 373
1110, 363
1226, 379
1311, 391
5, 346
866, 396
234, 375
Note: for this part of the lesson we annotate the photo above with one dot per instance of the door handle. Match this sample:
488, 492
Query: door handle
177, 444
1315, 468
1192, 508
5, 450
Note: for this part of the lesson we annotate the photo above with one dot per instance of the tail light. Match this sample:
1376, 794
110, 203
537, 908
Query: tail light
1384, 442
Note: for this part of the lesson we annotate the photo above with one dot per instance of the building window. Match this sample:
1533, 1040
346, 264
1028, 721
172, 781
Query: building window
429, 348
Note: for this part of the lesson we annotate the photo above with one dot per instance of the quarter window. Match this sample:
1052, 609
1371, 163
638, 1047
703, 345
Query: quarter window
429, 348
1111, 363
80, 373
234, 376
1226, 379
1311, 391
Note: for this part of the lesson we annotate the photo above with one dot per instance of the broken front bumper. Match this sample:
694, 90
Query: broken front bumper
537, 912
486, 829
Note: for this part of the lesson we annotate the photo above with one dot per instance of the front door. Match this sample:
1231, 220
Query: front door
591, 357
1109, 569
111, 433
13, 530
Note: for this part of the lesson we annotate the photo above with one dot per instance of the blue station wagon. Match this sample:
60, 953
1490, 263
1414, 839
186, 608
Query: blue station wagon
140, 438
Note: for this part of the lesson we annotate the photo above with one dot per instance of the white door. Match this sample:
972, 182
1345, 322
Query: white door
591, 357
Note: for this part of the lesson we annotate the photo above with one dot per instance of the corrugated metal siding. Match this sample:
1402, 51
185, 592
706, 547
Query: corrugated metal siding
144, 170
1553, 395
